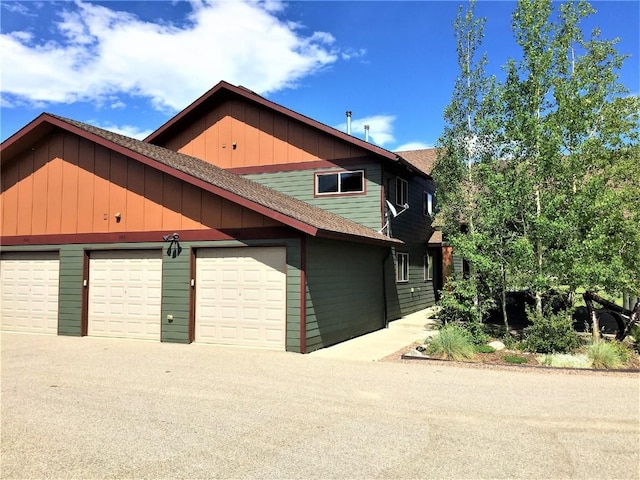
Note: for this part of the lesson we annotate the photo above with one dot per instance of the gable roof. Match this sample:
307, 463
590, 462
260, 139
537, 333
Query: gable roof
247, 193
224, 91
423, 159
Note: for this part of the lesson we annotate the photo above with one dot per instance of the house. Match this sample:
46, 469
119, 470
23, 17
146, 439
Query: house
237, 222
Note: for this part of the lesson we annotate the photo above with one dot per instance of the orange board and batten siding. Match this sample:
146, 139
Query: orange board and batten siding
236, 134
68, 185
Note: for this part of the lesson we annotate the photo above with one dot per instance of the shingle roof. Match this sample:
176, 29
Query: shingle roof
423, 159
281, 207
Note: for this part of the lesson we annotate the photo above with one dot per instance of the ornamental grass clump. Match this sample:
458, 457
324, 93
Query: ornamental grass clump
452, 343
564, 360
605, 355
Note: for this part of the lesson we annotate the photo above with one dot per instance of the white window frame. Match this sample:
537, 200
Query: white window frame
402, 192
427, 208
402, 267
339, 176
428, 267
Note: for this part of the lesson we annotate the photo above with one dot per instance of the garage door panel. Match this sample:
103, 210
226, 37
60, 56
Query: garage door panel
125, 294
234, 289
29, 289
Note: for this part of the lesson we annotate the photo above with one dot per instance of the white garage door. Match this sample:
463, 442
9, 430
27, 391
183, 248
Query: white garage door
29, 292
125, 294
241, 296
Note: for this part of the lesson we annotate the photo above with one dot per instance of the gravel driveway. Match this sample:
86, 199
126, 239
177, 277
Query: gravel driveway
100, 408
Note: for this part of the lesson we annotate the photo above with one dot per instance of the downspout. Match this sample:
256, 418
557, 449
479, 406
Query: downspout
384, 288
303, 294
384, 260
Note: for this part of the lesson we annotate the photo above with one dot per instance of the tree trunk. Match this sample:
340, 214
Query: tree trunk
538, 252
595, 326
503, 300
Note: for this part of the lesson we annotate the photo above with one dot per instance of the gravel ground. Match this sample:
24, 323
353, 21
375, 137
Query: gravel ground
100, 408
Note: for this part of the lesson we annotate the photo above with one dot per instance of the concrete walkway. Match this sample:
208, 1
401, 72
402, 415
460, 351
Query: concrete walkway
374, 346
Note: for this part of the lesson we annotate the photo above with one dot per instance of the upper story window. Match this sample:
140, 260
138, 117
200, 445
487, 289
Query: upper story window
333, 183
402, 192
428, 203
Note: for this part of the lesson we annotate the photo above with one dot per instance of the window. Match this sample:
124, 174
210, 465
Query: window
428, 203
402, 272
402, 192
339, 182
428, 266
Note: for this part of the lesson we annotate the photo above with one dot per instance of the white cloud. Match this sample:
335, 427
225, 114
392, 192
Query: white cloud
380, 128
412, 146
16, 7
128, 130
105, 52
348, 54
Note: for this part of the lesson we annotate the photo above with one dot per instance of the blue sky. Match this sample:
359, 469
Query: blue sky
130, 66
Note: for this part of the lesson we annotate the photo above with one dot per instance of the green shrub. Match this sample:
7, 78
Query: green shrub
485, 349
550, 333
605, 355
458, 302
635, 334
452, 342
477, 330
515, 359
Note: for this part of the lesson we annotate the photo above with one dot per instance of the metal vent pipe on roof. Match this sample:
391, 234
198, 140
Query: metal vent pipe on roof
366, 133
348, 122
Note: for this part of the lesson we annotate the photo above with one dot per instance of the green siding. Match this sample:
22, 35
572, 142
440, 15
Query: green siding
364, 209
413, 228
70, 290
344, 291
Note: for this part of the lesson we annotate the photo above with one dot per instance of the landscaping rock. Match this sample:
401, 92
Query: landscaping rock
415, 353
497, 345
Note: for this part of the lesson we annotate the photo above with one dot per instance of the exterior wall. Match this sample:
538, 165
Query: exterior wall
261, 137
68, 185
176, 289
363, 208
414, 228
344, 295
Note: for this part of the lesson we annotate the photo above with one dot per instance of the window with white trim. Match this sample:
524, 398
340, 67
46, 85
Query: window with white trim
428, 266
402, 192
402, 270
428, 203
333, 183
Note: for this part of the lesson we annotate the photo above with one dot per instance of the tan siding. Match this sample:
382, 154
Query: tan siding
69, 221
101, 190
54, 185
172, 198
262, 137
191, 207
39, 212
25, 193
152, 199
69, 185
9, 199
117, 193
266, 140
86, 196
135, 191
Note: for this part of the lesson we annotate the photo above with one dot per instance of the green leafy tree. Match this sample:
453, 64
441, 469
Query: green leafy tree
573, 131
542, 167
